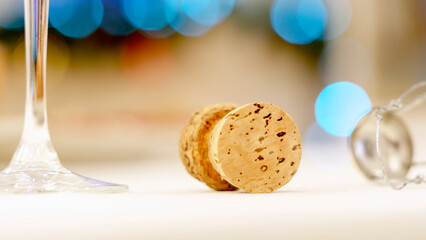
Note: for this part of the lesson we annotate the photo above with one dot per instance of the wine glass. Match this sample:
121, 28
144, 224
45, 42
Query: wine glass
35, 166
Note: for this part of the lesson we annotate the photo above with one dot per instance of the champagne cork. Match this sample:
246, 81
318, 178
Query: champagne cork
255, 148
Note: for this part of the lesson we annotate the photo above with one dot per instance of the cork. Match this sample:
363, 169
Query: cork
256, 148
194, 141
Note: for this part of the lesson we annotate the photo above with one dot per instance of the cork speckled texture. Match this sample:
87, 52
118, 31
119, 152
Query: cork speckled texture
194, 141
256, 148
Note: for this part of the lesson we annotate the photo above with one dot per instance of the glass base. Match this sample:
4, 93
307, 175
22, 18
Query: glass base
35, 168
48, 180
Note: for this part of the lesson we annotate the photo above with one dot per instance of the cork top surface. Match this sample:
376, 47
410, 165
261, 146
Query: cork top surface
256, 147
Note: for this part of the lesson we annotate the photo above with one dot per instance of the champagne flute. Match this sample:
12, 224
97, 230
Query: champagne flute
35, 166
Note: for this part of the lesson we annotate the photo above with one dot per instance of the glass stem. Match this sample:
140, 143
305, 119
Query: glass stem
35, 166
35, 149
36, 28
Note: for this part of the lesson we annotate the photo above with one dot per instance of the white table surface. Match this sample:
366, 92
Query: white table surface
164, 202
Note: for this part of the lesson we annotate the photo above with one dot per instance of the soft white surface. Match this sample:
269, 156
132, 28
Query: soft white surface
164, 202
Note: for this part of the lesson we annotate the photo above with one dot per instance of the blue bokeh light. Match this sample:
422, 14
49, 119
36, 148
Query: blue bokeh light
340, 106
312, 16
180, 22
208, 12
12, 14
76, 18
113, 21
145, 14
299, 21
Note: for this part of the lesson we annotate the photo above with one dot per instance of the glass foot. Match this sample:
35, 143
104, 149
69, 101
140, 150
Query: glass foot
35, 168
49, 180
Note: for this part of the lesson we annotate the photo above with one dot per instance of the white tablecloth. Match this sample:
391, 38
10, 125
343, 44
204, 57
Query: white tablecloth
164, 202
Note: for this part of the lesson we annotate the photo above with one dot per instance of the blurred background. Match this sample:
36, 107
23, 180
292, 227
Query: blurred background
124, 76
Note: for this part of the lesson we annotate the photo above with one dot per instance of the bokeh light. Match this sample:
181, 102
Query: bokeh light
299, 21
113, 21
145, 14
208, 12
340, 106
316, 140
348, 59
339, 17
12, 14
180, 22
76, 18
312, 16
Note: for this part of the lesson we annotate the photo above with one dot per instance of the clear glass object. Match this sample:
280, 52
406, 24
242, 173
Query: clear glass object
396, 147
35, 166
381, 144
